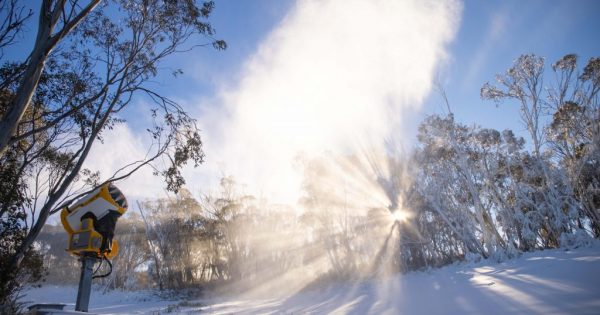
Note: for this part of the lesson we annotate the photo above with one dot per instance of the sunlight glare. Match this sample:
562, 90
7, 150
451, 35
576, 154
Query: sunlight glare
400, 215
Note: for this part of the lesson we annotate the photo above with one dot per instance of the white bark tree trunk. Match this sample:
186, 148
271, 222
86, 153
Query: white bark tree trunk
44, 43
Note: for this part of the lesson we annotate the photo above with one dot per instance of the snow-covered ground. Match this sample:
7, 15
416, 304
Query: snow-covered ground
545, 282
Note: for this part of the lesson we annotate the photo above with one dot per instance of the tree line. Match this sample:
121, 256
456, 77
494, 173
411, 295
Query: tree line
90, 61
465, 192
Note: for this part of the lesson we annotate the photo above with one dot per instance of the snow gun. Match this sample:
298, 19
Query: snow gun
91, 221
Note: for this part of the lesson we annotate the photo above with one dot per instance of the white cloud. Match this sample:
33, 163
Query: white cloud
121, 146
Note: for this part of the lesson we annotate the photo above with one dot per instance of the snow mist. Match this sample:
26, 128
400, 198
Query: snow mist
316, 106
332, 76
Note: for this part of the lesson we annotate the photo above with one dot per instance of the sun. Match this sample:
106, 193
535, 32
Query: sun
400, 215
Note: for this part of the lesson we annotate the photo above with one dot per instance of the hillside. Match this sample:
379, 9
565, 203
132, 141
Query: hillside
543, 282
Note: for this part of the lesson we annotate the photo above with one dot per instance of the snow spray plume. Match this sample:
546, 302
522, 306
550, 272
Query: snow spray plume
333, 78
332, 75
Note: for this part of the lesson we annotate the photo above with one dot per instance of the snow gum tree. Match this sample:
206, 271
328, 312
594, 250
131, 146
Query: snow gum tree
459, 162
574, 131
552, 190
89, 62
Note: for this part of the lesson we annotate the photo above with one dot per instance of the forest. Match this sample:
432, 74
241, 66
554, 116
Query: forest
465, 192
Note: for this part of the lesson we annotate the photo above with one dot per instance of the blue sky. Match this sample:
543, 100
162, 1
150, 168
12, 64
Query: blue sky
298, 69
243, 24
494, 33
491, 35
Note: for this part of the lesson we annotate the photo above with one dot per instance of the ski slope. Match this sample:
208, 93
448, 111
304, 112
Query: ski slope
545, 282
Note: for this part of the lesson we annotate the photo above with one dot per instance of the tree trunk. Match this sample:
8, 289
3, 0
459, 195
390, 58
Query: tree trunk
55, 195
44, 43
30, 80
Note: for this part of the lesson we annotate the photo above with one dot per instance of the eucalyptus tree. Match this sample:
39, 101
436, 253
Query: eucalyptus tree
450, 184
57, 19
172, 229
574, 131
14, 16
558, 192
90, 61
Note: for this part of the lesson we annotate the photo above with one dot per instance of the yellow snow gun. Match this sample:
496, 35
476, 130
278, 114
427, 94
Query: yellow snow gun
91, 222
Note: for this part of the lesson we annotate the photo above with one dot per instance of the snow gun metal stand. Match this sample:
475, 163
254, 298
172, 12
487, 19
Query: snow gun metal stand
85, 282
88, 260
90, 223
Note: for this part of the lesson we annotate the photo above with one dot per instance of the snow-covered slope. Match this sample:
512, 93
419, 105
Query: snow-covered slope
546, 282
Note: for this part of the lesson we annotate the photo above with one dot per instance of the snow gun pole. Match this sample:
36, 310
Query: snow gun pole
85, 283
90, 223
